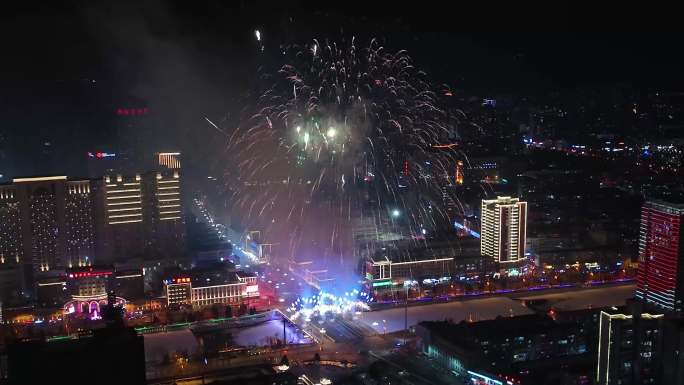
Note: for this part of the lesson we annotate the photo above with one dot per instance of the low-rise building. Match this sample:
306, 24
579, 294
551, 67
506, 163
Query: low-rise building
200, 288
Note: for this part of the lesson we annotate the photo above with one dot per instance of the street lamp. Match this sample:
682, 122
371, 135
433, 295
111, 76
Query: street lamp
396, 213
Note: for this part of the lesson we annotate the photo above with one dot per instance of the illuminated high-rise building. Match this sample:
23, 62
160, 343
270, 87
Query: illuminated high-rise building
123, 222
504, 229
144, 212
164, 206
41, 207
11, 249
79, 223
11, 246
660, 278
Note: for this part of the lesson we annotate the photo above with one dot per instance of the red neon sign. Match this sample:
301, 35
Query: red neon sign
89, 274
131, 111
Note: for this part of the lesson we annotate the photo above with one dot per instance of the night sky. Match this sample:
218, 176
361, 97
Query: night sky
66, 68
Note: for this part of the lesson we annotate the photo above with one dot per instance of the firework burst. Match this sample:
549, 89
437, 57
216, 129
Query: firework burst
337, 128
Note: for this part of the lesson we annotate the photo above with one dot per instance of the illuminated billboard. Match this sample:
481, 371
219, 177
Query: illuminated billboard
100, 155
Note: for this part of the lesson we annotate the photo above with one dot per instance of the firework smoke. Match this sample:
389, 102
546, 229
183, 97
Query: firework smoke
335, 132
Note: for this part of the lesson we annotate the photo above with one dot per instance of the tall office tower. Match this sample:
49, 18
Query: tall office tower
123, 222
659, 278
46, 222
631, 348
41, 209
164, 206
79, 223
504, 229
11, 249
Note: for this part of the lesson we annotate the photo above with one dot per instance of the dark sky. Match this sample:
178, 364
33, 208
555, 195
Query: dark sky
127, 43
65, 67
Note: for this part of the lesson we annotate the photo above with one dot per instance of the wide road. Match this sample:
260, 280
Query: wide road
391, 320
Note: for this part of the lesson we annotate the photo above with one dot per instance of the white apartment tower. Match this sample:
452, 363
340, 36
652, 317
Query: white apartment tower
504, 229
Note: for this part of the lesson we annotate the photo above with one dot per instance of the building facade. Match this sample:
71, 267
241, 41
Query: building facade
11, 247
144, 212
198, 291
88, 288
659, 278
164, 221
178, 291
123, 225
504, 229
79, 223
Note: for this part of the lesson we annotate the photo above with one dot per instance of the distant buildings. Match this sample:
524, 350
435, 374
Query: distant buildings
659, 279
52, 223
642, 344
504, 229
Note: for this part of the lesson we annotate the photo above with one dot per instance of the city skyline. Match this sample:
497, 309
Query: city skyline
346, 193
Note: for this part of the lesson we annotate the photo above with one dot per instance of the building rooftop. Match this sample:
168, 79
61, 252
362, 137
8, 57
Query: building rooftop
245, 274
429, 249
466, 334
673, 203
413, 255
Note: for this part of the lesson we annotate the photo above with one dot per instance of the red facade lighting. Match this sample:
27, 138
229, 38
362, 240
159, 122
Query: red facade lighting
660, 253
